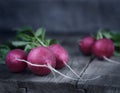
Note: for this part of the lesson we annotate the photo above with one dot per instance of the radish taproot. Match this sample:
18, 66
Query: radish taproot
85, 45
103, 48
13, 64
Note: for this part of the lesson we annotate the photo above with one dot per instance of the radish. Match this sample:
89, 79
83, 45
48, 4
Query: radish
15, 65
41, 56
103, 48
61, 57
85, 45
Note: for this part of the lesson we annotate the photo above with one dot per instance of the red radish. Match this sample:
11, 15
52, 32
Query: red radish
61, 55
103, 48
41, 56
85, 45
13, 64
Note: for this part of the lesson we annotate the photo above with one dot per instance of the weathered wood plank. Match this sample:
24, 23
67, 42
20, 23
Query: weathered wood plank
37, 87
109, 80
61, 85
32, 83
9, 86
77, 63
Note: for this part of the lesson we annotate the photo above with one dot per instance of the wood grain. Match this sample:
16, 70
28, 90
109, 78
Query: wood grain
26, 81
109, 80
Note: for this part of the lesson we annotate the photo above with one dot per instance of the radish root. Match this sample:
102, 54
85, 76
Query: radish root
54, 70
48, 66
71, 70
109, 60
31, 63
54, 75
91, 78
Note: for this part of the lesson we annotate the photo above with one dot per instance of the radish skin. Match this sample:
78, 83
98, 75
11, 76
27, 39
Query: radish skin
42, 56
60, 54
85, 45
14, 65
103, 47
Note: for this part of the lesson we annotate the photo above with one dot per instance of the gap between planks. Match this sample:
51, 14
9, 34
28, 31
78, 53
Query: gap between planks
83, 70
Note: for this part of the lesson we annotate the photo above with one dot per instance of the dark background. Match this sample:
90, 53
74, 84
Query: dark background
60, 16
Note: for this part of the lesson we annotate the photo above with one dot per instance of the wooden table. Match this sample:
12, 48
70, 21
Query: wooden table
103, 77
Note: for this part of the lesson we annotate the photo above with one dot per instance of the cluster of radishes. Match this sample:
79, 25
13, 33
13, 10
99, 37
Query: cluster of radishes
45, 57
103, 45
54, 55
40, 60
100, 48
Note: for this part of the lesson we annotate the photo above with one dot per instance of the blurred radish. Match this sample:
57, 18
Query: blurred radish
41, 56
61, 57
103, 48
85, 45
13, 64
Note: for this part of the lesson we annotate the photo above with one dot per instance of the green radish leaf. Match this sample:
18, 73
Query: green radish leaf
27, 48
117, 44
19, 43
107, 34
25, 30
99, 35
24, 37
3, 51
40, 33
117, 53
47, 42
104, 33
51, 41
116, 37
41, 42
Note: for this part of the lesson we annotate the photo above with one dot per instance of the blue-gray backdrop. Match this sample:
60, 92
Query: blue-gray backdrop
60, 16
